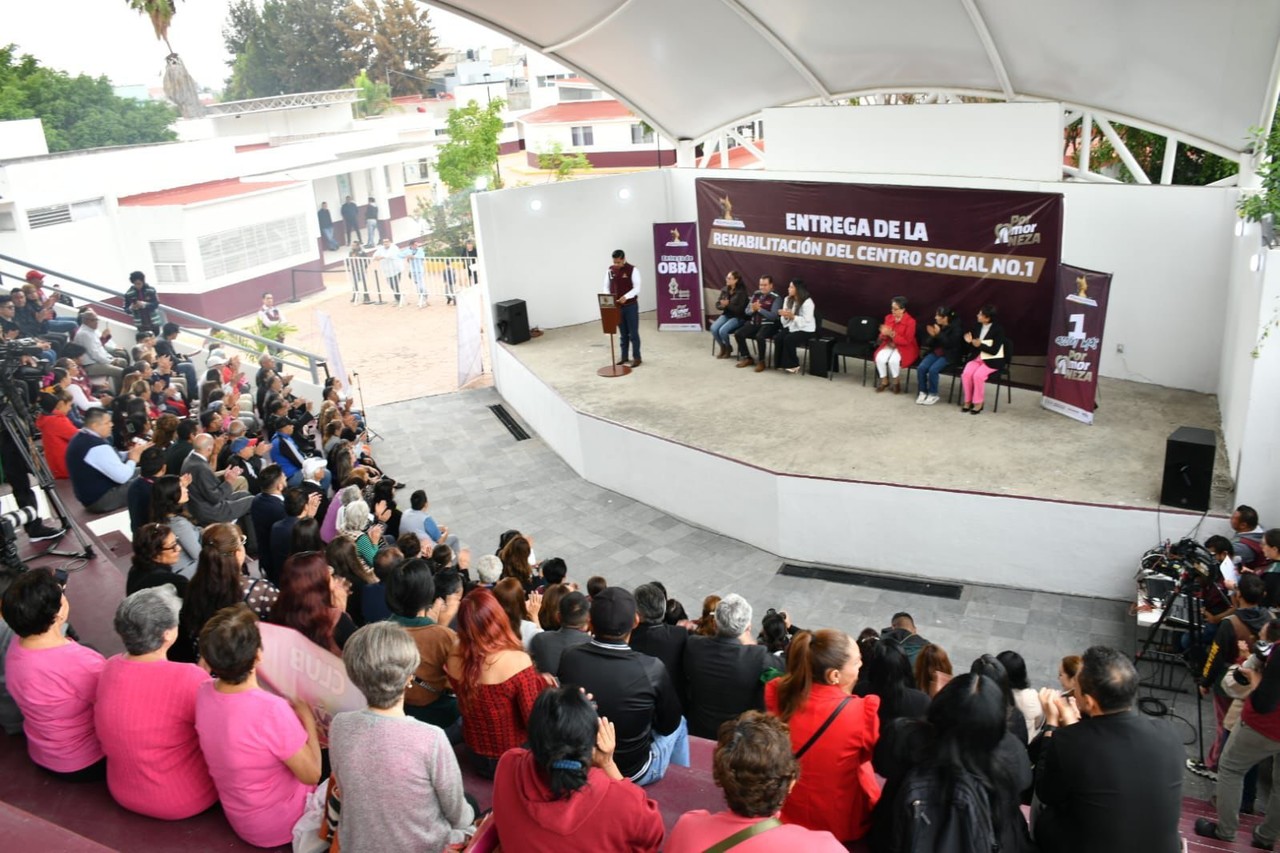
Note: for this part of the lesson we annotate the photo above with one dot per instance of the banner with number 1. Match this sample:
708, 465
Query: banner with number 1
1075, 342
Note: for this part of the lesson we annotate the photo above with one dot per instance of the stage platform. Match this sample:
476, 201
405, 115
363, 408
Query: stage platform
773, 448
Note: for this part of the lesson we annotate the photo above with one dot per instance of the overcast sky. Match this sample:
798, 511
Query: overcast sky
105, 37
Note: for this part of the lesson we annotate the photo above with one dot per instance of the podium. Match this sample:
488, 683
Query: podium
609, 316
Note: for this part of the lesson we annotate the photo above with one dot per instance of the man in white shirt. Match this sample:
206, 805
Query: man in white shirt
100, 476
389, 266
623, 281
98, 360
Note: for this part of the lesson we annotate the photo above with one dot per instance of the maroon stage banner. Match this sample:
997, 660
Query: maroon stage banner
857, 246
1075, 342
675, 257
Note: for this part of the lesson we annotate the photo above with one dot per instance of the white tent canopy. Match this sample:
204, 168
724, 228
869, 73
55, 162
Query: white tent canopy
1202, 71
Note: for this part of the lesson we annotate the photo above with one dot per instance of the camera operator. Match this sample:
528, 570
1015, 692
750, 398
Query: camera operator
1255, 738
1241, 626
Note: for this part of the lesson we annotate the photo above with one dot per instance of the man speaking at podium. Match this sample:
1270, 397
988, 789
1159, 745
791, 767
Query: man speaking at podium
623, 281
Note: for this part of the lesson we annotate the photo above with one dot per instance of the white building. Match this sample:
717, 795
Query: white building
218, 218
602, 129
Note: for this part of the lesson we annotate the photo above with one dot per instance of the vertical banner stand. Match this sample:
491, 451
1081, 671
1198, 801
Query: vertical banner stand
609, 314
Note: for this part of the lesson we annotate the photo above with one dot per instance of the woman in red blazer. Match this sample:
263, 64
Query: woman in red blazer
837, 788
898, 346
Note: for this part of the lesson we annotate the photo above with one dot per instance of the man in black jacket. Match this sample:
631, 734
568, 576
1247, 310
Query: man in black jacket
655, 637
268, 508
1111, 781
548, 647
633, 690
722, 673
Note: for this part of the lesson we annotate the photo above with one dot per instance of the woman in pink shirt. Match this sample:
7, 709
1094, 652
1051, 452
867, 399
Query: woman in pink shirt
53, 680
264, 756
146, 714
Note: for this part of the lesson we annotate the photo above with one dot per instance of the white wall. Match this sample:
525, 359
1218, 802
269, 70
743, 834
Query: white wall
22, 138
1259, 444
555, 258
1022, 141
605, 136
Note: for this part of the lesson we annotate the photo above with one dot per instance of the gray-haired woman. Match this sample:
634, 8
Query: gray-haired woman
400, 782
145, 714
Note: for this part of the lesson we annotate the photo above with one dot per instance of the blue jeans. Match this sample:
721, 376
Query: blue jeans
62, 326
629, 330
930, 367
371, 231
723, 327
664, 751
329, 242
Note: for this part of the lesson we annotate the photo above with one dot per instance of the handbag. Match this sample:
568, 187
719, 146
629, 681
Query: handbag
822, 728
744, 834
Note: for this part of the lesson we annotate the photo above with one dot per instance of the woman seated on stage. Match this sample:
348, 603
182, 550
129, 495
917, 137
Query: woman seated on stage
263, 755
565, 791
755, 769
986, 356
494, 679
146, 714
941, 349
897, 347
53, 679
797, 325
732, 303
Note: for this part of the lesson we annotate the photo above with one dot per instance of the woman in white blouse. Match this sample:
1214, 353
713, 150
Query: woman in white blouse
797, 325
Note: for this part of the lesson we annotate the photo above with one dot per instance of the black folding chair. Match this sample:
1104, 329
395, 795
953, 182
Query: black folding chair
859, 342
1002, 376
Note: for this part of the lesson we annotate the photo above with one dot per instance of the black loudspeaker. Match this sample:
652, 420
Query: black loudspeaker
820, 355
1188, 468
512, 321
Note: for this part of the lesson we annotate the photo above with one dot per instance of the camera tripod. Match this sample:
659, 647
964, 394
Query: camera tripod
13, 419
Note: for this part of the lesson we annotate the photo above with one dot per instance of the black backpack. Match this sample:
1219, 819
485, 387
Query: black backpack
933, 813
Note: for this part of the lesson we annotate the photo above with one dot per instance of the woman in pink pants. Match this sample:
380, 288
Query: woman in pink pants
987, 340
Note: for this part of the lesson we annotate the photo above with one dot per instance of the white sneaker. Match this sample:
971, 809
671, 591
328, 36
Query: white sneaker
931, 399
920, 398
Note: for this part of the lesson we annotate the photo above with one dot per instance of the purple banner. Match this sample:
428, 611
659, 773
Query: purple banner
675, 257
1075, 342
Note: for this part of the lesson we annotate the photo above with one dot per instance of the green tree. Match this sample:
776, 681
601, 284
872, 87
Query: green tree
472, 149
1191, 166
451, 223
77, 112
393, 40
286, 47
375, 97
562, 164
1254, 206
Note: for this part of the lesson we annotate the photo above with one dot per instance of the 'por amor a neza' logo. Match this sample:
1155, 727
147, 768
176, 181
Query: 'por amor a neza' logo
1018, 231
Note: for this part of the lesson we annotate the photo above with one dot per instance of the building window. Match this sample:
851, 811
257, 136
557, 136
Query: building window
7, 222
641, 135
582, 136
170, 261
239, 249
57, 214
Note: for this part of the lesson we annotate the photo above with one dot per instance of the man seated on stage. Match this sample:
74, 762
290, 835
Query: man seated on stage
99, 476
632, 689
1112, 780
761, 324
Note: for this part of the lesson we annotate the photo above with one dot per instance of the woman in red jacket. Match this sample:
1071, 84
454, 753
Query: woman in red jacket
898, 346
56, 430
832, 732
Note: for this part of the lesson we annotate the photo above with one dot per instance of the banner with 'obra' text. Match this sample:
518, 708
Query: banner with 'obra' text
857, 246
675, 258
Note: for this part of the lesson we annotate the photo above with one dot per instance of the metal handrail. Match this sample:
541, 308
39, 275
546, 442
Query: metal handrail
308, 360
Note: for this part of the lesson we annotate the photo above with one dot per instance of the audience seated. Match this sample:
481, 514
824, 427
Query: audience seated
99, 475
755, 769
565, 791
213, 499
313, 602
1112, 778
488, 570
267, 508
832, 734
1025, 697
53, 679
548, 648
400, 785
706, 624
219, 582
342, 558
345, 495
887, 673
297, 505
354, 525
631, 689
517, 556
991, 667
933, 670
960, 758
654, 637
722, 673
56, 431
548, 610
155, 555
424, 605
374, 601
494, 679
145, 714
150, 466
520, 608
263, 754
169, 507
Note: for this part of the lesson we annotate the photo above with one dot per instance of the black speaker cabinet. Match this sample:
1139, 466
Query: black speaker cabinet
1188, 468
511, 318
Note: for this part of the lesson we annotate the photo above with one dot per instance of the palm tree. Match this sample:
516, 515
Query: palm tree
179, 86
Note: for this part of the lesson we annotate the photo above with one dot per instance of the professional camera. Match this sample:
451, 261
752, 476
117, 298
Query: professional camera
9, 524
